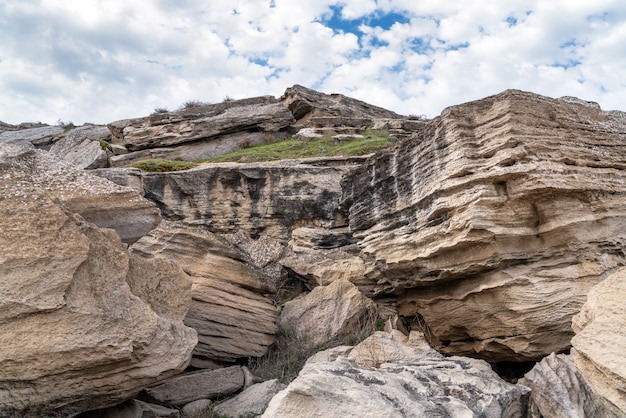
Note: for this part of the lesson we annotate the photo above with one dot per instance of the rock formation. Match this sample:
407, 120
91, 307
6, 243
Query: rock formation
75, 337
228, 310
493, 222
258, 199
600, 341
417, 382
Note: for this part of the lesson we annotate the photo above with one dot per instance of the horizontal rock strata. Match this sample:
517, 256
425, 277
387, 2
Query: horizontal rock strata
492, 223
232, 316
258, 198
202, 122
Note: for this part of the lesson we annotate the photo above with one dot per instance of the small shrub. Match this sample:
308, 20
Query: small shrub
227, 99
161, 166
190, 104
66, 125
105, 145
159, 110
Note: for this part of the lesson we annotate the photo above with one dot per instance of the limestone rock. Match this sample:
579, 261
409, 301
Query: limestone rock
251, 402
74, 337
259, 199
82, 148
126, 177
94, 198
329, 313
493, 221
427, 385
205, 122
317, 109
558, 389
203, 384
233, 318
600, 341
39, 136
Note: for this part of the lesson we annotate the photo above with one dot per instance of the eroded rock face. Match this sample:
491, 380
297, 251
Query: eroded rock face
205, 122
259, 199
560, 390
600, 342
418, 382
74, 336
96, 199
493, 222
232, 316
82, 148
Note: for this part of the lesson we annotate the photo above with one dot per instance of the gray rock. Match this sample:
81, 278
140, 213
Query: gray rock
251, 402
560, 390
195, 408
39, 136
407, 382
134, 409
203, 384
80, 151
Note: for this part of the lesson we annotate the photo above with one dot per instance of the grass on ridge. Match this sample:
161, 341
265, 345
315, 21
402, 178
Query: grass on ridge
160, 166
307, 148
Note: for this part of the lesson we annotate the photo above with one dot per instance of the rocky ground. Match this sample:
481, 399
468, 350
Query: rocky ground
475, 268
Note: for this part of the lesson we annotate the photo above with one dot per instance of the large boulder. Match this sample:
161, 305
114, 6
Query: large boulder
228, 309
600, 341
414, 381
38, 135
330, 313
74, 336
492, 222
558, 389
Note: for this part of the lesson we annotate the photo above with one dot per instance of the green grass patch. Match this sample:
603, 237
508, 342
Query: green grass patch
161, 166
303, 148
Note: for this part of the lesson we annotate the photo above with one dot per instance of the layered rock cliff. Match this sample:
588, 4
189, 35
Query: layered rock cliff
493, 222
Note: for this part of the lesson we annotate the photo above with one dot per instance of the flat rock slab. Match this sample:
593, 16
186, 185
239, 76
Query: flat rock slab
204, 384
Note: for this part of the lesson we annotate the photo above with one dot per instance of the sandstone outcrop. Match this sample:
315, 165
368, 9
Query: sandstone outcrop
74, 336
258, 198
342, 309
229, 311
419, 382
492, 222
600, 341
251, 402
40, 136
95, 199
558, 389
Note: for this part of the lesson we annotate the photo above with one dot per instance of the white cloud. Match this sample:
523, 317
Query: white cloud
95, 61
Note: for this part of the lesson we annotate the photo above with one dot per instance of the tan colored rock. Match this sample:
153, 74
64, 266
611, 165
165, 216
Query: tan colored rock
229, 310
600, 341
415, 383
558, 389
193, 386
493, 221
329, 313
74, 337
134, 409
96, 199
203, 122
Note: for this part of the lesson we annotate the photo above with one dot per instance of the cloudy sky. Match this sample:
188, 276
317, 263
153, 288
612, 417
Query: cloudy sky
102, 60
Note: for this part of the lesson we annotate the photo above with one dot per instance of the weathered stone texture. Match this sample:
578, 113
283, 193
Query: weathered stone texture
600, 341
494, 221
232, 316
204, 122
259, 199
74, 337
415, 383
